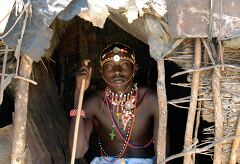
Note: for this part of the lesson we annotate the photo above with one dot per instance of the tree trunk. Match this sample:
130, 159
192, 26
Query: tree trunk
20, 118
162, 103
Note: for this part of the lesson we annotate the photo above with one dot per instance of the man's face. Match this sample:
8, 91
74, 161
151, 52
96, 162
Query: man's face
118, 73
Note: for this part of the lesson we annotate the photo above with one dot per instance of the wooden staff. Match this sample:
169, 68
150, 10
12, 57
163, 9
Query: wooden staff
77, 122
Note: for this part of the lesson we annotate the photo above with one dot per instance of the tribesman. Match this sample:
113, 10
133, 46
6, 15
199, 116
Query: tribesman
124, 115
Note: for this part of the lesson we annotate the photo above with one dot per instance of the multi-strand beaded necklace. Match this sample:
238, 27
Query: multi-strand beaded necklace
124, 104
125, 109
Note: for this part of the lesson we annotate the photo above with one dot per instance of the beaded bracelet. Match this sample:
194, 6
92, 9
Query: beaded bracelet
73, 112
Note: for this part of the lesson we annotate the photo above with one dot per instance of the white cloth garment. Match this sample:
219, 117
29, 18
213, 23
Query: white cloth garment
108, 160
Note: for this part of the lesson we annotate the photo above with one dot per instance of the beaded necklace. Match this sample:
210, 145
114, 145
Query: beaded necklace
126, 104
123, 103
130, 144
119, 101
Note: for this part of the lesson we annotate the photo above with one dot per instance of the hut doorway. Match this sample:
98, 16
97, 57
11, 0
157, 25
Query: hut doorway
81, 40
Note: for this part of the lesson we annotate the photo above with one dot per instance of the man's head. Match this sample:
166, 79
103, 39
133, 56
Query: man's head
118, 65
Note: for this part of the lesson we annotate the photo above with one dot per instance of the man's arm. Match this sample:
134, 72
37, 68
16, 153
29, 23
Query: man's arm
85, 125
84, 133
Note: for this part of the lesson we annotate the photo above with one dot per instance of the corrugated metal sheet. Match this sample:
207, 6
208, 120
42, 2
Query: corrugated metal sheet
38, 34
186, 18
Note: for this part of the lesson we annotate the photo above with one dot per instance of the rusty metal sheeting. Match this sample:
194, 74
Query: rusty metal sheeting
137, 28
190, 18
73, 9
148, 29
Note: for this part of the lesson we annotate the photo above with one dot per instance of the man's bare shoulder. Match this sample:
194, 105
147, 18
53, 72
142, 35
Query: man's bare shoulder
93, 97
148, 97
147, 93
92, 100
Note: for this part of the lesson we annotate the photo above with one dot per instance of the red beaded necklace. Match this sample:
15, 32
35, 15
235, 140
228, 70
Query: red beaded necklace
130, 120
121, 101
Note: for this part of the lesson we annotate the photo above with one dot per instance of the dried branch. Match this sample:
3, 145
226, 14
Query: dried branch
206, 68
9, 50
208, 51
21, 78
184, 52
178, 106
187, 85
197, 126
235, 145
198, 150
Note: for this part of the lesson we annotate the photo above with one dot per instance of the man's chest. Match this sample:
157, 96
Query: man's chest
138, 124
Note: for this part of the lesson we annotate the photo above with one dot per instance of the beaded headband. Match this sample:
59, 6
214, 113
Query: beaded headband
117, 52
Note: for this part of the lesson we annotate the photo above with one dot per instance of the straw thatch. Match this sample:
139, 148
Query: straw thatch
229, 89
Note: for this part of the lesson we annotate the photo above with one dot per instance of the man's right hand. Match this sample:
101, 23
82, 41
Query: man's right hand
84, 72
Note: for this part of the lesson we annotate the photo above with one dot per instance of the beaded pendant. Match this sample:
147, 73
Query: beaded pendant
112, 134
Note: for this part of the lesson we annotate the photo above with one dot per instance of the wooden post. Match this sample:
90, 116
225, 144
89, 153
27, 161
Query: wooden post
216, 87
20, 117
162, 103
193, 101
235, 145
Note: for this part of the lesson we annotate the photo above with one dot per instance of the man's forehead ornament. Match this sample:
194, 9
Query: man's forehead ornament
116, 58
117, 54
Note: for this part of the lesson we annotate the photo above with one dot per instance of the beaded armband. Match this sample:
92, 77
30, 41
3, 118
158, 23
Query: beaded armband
73, 113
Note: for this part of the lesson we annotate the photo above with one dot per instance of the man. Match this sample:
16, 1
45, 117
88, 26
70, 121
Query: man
124, 116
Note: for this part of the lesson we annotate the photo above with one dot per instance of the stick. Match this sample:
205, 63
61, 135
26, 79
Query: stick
235, 145
218, 113
197, 128
197, 150
206, 68
193, 102
77, 122
79, 109
21, 78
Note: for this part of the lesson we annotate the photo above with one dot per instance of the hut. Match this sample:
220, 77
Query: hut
43, 42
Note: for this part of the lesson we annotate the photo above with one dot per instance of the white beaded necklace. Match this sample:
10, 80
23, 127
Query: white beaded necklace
125, 103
